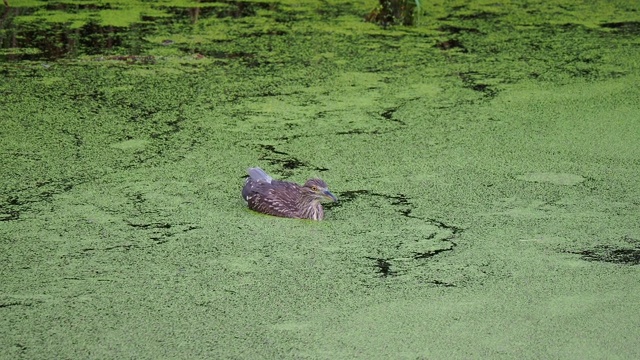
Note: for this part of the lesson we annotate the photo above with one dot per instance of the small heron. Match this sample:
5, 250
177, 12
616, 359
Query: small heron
286, 199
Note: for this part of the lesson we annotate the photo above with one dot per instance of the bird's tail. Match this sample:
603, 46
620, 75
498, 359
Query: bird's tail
258, 174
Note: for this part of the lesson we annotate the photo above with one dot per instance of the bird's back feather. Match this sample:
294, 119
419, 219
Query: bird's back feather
257, 174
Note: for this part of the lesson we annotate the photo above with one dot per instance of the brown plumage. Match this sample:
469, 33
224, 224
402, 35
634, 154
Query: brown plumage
286, 199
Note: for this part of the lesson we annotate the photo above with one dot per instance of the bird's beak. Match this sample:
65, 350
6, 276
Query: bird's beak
329, 195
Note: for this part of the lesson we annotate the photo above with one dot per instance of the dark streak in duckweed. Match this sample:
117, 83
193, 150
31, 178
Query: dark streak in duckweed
358, 132
150, 226
469, 80
285, 160
624, 27
15, 303
388, 114
442, 283
401, 200
383, 266
18, 201
611, 254
428, 254
457, 29
451, 44
398, 199
124, 247
9, 215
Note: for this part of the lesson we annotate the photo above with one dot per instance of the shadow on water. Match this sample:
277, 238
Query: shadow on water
223, 9
27, 33
48, 41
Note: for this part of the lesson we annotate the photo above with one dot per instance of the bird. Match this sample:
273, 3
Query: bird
285, 199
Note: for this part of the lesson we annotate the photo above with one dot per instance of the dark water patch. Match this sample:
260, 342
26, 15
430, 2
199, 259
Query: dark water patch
9, 209
430, 253
125, 247
403, 247
625, 252
159, 232
472, 80
55, 41
391, 124
359, 132
173, 127
612, 255
281, 158
150, 225
405, 208
21, 200
285, 160
399, 200
13, 303
442, 283
451, 44
139, 113
53, 188
570, 27
624, 27
267, 32
484, 88
388, 115
352, 194
480, 15
441, 225
8, 215
76, 7
450, 29
383, 267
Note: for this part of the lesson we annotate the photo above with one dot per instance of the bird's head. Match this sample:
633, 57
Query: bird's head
319, 190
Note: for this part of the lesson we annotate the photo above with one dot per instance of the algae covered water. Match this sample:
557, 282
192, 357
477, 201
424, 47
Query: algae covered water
485, 159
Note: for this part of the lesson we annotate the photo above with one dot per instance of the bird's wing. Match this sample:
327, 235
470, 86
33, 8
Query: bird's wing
278, 198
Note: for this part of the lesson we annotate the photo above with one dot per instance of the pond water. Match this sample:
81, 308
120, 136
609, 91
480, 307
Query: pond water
485, 161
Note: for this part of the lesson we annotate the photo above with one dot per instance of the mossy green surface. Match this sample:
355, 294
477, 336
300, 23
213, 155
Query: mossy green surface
486, 162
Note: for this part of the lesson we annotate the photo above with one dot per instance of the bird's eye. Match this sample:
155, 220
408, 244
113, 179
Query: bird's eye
314, 188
